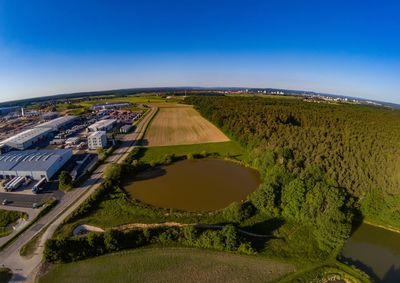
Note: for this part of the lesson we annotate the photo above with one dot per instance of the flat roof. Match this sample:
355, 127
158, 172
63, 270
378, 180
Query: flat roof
103, 123
31, 160
97, 134
57, 122
26, 135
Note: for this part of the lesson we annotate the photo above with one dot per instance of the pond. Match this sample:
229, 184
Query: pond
194, 185
376, 251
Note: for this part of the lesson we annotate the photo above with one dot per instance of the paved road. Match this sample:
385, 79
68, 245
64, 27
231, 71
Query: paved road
24, 270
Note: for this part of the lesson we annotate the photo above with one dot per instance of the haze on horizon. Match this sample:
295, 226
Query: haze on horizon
343, 47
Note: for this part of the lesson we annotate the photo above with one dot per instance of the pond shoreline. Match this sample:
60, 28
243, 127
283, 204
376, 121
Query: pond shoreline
386, 227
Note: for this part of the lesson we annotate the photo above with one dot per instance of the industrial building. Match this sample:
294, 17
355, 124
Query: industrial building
7, 110
26, 138
49, 116
36, 164
126, 129
59, 123
97, 140
103, 125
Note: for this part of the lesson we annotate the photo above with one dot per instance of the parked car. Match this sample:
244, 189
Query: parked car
35, 205
5, 202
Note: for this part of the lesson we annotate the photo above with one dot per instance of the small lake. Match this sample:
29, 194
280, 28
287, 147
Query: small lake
376, 251
194, 185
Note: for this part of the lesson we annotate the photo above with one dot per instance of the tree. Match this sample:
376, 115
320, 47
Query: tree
230, 237
111, 240
113, 172
293, 199
65, 181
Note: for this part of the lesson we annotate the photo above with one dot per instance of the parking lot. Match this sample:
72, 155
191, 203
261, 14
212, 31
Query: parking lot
23, 200
23, 197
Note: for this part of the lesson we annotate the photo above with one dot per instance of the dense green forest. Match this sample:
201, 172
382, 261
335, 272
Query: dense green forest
355, 147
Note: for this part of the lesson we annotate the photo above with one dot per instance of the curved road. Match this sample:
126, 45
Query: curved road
24, 270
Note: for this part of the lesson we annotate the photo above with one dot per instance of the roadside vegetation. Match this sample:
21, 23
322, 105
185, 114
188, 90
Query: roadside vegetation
5, 275
7, 219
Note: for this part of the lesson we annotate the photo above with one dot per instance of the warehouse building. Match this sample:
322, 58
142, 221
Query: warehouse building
37, 164
26, 138
97, 140
59, 123
103, 125
7, 110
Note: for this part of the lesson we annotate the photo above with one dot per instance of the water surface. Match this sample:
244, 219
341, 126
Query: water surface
376, 251
194, 185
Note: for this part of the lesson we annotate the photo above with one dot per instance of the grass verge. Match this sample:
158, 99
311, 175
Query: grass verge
157, 154
30, 247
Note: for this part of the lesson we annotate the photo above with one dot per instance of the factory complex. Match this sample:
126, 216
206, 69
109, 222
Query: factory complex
35, 148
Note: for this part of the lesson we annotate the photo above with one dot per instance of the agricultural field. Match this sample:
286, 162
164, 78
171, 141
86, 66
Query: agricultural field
169, 265
181, 125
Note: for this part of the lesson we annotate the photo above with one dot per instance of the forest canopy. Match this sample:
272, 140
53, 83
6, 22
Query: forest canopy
356, 147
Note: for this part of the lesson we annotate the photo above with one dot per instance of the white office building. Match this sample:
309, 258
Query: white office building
103, 125
97, 140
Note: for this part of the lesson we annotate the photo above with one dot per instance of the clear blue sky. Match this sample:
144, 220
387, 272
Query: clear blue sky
335, 46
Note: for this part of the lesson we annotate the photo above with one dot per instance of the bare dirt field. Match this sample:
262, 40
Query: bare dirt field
181, 125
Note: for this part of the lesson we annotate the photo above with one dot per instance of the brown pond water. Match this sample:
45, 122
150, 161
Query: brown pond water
376, 251
194, 185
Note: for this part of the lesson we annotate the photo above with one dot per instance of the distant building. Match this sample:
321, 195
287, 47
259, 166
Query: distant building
103, 125
118, 105
7, 110
97, 140
26, 138
49, 116
37, 164
126, 129
59, 123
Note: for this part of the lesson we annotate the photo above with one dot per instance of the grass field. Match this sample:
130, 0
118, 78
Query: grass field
181, 125
169, 265
157, 153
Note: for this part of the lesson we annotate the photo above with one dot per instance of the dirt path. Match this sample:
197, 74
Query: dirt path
88, 228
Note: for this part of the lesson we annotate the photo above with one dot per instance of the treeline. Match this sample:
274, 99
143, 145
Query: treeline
95, 244
357, 147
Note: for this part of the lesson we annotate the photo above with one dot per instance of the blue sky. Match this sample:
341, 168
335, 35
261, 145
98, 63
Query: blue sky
334, 46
